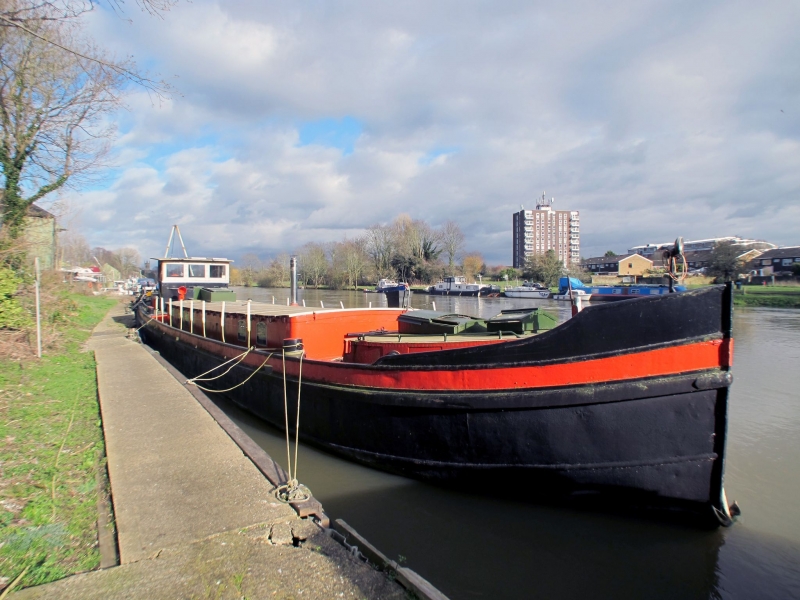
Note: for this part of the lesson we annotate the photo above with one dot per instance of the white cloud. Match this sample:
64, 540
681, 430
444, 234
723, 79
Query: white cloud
654, 120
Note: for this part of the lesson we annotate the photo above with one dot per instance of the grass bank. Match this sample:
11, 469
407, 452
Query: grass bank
774, 296
51, 451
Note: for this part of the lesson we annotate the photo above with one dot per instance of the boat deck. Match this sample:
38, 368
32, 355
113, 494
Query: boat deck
268, 310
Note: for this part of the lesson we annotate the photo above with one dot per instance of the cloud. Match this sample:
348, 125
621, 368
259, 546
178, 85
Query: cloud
304, 122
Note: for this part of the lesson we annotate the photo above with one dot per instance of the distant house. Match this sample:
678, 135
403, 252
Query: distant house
632, 264
39, 235
777, 261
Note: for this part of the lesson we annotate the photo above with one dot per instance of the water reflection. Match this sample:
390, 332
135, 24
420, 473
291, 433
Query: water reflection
500, 546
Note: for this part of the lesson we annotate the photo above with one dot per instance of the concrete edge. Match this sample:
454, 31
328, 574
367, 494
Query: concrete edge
409, 579
274, 473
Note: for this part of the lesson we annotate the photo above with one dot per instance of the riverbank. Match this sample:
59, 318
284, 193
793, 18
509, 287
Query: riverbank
770, 296
52, 454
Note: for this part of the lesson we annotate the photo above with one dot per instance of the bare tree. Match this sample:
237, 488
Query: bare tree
52, 109
74, 250
250, 269
380, 246
28, 16
354, 260
277, 272
452, 241
128, 261
313, 263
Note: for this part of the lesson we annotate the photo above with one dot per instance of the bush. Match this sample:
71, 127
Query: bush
12, 315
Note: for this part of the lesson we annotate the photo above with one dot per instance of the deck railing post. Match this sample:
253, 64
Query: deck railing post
248, 323
222, 321
191, 316
170, 312
204, 318
180, 307
162, 306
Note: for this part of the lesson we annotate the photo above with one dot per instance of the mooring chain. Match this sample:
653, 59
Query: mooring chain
292, 490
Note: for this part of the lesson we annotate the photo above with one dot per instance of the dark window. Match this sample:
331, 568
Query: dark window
217, 271
174, 270
197, 270
630, 265
261, 333
242, 330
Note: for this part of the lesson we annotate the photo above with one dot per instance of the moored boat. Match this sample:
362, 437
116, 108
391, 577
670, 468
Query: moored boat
389, 285
457, 285
528, 289
599, 293
624, 401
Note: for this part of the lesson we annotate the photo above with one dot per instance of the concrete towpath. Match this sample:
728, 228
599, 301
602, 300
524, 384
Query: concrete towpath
195, 518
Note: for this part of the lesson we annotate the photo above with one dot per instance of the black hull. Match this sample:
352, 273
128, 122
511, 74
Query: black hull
654, 443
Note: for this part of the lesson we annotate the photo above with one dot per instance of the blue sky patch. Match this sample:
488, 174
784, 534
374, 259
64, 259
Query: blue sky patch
436, 153
334, 133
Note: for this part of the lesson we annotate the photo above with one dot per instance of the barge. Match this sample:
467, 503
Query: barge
625, 402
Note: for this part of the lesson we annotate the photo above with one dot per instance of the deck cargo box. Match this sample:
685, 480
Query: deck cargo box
433, 322
521, 320
217, 295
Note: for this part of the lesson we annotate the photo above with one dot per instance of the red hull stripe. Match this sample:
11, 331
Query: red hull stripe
674, 360
653, 363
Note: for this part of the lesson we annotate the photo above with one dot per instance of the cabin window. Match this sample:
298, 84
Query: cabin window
197, 270
261, 333
787, 261
242, 330
217, 271
174, 270
630, 265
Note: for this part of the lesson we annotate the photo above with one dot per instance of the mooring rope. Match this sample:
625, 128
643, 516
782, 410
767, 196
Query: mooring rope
238, 384
240, 358
292, 490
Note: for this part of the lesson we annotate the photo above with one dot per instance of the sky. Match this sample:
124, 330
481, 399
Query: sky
310, 121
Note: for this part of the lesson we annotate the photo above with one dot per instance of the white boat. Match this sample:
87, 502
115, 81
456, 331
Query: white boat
583, 295
528, 290
457, 286
389, 285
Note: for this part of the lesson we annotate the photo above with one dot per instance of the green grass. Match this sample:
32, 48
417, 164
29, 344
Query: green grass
51, 448
778, 296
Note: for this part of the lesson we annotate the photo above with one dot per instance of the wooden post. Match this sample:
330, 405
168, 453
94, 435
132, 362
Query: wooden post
248, 323
180, 307
38, 313
191, 316
222, 321
170, 312
204, 318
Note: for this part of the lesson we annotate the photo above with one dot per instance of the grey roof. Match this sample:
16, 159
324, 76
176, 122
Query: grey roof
788, 252
610, 259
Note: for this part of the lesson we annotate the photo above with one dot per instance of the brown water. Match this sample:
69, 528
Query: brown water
500, 546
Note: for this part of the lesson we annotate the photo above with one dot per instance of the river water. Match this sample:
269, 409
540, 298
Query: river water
498, 545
